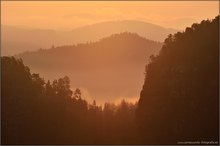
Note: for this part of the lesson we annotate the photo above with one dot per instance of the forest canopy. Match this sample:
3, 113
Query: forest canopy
180, 97
179, 100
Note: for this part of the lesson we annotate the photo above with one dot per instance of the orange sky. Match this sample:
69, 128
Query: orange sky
71, 14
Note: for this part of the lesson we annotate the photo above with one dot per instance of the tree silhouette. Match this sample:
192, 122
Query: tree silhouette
178, 102
181, 88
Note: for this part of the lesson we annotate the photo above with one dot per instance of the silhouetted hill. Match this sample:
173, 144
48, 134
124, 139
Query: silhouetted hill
11, 48
179, 101
100, 30
15, 40
46, 38
109, 68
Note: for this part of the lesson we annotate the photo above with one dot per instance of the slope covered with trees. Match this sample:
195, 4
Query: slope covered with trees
179, 101
35, 111
180, 98
97, 66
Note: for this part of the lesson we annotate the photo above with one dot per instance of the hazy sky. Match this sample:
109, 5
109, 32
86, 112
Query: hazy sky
71, 14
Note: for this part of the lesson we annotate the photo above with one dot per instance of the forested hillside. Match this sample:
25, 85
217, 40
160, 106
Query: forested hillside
115, 61
180, 97
179, 101
35, 111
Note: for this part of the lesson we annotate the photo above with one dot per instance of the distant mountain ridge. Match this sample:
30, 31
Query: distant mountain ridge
98, 66
104, 29
40, 38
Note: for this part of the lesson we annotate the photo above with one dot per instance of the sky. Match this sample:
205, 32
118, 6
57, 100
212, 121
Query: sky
68, 15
